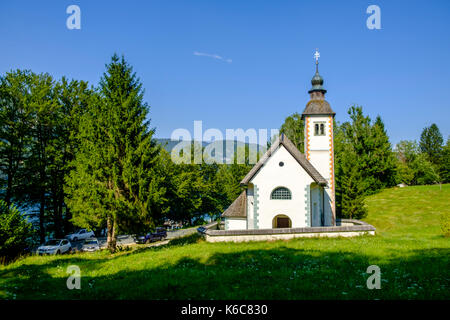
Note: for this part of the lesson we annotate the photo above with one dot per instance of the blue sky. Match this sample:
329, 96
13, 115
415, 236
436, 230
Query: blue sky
401, 72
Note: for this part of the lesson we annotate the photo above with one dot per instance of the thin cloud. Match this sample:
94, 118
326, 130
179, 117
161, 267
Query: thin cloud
214, 56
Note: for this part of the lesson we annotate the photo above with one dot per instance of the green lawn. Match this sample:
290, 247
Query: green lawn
409, 248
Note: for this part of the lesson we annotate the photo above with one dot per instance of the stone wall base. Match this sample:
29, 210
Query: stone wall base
272, 237
344, 228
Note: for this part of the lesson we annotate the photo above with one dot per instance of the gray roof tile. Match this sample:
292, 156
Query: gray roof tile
318, 107
238, 209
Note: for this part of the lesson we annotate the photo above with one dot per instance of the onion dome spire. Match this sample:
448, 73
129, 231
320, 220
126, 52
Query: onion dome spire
317, 80
317, 105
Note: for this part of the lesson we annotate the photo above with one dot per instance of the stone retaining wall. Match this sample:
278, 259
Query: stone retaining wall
345, 228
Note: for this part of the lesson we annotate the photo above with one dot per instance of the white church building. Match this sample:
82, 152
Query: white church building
288, 188
290, 194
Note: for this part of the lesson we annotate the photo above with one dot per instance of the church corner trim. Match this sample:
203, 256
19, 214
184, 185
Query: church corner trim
255, 206
332, 181
307, 147
308, 205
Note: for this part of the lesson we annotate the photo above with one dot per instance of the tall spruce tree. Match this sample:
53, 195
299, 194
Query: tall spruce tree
364, 162
72, 97
431, 142
370, 142
351, 192
115, 181
44, 110
383, 161
14, 133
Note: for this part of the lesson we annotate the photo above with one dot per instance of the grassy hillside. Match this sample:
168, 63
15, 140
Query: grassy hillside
409, 213
409, 249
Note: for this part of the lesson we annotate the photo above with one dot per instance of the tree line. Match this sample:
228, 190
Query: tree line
75, 155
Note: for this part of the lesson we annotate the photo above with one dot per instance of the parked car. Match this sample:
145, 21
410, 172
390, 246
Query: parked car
55, 246
159, 234
80, 235
201, 229
90, 244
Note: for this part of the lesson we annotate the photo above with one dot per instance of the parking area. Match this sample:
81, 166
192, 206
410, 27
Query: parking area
121, 240
125, 240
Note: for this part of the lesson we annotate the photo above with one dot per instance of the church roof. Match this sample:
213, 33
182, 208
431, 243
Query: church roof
300, 157
318, 107
238, 208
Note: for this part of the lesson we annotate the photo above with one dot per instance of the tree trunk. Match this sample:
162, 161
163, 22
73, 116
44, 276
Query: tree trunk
111, 237
57, 214
67, 217
41, 216
10, 170
8, 190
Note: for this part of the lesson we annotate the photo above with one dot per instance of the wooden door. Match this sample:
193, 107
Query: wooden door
283, 222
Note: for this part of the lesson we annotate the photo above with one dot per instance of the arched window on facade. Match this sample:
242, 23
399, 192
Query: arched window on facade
281, 193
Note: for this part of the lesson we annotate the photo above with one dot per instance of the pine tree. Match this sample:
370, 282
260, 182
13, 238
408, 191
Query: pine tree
357, 135
44, 109
376, 159
350, 185
15, 231
431, 142
72, 98
115, 180
364, 161
352, 198
382, 158
14, 133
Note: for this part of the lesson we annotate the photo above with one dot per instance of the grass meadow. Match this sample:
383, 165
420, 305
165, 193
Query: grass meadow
409, 248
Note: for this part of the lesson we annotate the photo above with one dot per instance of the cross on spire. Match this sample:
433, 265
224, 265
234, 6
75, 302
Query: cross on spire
317, 56
317, 80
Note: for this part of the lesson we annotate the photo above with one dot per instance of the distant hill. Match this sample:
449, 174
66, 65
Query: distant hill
227, 145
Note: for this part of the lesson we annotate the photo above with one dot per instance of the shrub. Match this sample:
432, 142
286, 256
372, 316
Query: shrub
15, 232
189, 239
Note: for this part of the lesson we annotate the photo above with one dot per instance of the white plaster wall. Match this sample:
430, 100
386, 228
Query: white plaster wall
235, 223
321, 161
292, 176
319, 142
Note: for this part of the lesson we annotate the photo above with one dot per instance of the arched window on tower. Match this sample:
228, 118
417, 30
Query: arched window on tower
281, 193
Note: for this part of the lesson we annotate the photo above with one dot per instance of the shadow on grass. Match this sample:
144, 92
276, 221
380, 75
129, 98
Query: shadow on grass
280, 273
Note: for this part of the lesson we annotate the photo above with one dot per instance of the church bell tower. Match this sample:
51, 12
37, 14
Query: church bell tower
319, 144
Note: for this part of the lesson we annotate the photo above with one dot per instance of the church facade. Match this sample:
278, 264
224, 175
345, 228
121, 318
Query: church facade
288, 188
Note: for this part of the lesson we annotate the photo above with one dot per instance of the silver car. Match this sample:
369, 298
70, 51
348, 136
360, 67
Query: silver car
80, 235
55, 246
90, 245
